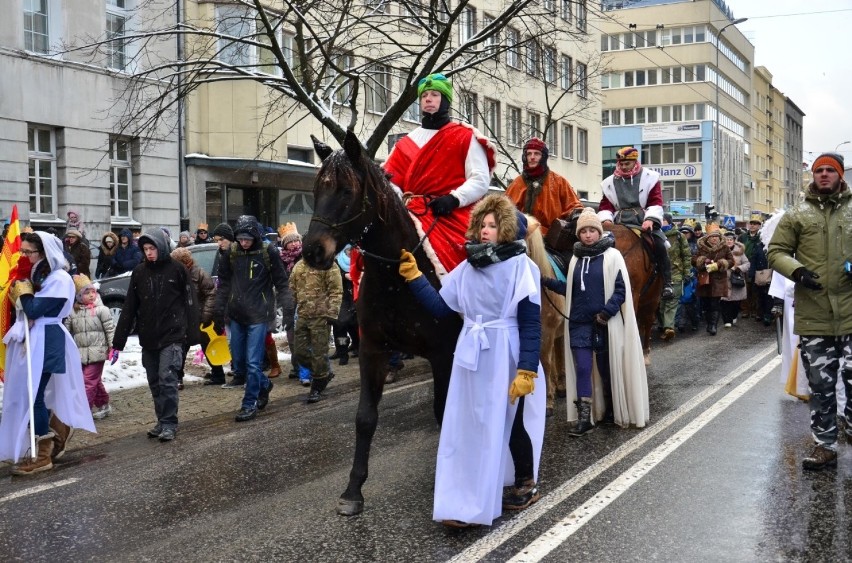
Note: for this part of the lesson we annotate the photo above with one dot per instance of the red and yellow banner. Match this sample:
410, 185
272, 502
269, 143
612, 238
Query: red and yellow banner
8, 274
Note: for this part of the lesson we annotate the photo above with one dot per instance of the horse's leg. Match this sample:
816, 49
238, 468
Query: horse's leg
372, 383
548, 358
442, 367
559, 353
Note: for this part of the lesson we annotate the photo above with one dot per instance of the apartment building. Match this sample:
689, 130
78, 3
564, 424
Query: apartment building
245, 154
680, 90
60, 110
768, 145
794, 153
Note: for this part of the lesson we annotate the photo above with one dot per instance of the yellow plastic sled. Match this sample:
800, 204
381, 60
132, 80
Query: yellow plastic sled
217, 351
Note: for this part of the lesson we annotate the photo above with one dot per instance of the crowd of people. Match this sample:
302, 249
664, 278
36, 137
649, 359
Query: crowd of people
486, 277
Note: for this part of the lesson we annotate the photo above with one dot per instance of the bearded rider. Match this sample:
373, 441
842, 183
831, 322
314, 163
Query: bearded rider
633, 196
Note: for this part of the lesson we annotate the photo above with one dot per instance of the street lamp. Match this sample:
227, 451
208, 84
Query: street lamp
841, 144
716, 157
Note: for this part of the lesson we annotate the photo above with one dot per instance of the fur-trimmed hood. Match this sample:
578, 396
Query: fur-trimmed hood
504, 214
114, 238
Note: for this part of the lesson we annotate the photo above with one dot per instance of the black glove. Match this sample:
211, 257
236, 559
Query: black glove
549, 283
807, 278
444, 205
218, 325
602, 318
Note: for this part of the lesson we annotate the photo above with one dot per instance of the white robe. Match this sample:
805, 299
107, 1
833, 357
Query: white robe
474, 462
65, 394
629, 379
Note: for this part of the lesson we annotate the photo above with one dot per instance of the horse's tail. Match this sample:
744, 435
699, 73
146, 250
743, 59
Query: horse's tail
535, 248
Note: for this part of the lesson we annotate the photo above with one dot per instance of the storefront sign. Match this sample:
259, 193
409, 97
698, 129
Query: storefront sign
672, 132
677, 171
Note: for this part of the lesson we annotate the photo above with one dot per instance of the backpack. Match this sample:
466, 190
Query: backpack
264, 251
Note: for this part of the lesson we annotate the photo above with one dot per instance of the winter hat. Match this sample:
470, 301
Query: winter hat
522, 226
505, 215
184, 234
184, 256
829, 159
536, 144
713, 229
627, 153
667, 217
438, 83
201, 227
73, 233
289, 233
756, 219
81, 284
588, 218
730, 234
225, 231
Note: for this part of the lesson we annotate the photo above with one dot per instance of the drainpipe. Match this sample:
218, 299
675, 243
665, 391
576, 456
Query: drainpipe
183, 194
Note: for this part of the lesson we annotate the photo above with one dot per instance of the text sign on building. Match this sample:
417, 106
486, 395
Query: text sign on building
677, 171
672, 131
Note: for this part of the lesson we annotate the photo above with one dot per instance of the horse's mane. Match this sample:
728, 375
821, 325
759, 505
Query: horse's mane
535, 247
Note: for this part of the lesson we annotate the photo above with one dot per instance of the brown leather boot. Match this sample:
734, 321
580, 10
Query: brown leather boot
272, 356
61, 434
821, 457
42, 462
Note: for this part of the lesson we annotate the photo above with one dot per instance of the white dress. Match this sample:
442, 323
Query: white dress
474, 462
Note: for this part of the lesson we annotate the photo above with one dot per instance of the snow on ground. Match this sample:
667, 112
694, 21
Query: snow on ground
128, 371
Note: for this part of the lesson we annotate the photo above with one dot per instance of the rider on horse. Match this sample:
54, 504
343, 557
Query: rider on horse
449, 165
632, 196
539, 191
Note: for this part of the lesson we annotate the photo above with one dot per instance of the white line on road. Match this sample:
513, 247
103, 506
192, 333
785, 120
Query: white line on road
38, 489
566, 527
504, 533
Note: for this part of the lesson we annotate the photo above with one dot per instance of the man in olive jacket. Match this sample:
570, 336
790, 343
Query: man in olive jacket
808, 248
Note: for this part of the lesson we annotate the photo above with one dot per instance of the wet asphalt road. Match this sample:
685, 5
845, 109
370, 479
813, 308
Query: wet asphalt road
706, 481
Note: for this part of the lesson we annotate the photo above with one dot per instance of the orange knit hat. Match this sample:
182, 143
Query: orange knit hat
829, 159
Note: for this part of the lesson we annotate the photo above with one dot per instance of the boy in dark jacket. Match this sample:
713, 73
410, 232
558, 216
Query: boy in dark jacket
127, 255
247, 276
161, 301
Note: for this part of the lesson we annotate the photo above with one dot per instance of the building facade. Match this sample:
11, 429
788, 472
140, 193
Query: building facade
60, 109
681, 93
794, 153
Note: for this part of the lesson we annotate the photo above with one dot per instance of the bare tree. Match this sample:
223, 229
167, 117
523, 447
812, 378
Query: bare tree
348, 64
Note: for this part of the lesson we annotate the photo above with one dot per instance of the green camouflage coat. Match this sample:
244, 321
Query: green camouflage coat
679, 255
318, 293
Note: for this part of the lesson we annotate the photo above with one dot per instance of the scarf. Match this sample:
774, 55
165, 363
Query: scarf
534, 184
482, 254
439, 118
537, 172
343, 261
586, 253
636, 170
290, 257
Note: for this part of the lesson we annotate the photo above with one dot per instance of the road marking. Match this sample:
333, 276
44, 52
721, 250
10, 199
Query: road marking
38, 489
566, 527
507, 531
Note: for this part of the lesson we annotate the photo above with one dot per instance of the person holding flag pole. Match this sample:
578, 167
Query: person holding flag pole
39, 345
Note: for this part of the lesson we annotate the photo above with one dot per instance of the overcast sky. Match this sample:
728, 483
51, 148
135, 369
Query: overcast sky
805, 45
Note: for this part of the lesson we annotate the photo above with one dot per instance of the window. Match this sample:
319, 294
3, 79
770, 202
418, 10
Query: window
581, 15
551, 137
116, 20
567, 11
513, 54
234, 21
492, 118
582, 145
377, 6
120, 178
534, 125
550, 65
567, 72
533, 58
467, 24
410, 10
41, 148
582, 87
471, 108
492, 43
412, 112
567, 141
339, 87
549, 6
378, 88
513, 126
36, 26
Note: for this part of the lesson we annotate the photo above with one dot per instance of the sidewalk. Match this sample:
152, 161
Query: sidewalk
134, 409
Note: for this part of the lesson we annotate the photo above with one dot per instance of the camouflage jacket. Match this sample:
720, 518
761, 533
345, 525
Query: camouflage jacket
318, 293
680, 255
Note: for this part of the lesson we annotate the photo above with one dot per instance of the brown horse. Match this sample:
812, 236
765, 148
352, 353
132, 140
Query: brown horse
354, 204
552, 320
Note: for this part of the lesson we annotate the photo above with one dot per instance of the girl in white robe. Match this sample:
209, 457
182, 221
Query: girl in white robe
488, 438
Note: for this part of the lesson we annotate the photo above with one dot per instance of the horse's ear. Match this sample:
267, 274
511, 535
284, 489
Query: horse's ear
322, 150
352, 147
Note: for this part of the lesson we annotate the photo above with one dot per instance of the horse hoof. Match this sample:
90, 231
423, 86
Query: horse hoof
350, 507
647, 359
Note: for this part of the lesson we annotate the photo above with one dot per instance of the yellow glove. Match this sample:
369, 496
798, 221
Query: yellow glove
21, 287
523, 384
712, 267
408, 267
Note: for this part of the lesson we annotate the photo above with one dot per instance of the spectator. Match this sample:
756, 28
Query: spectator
127, 256
161, 303
75, 223
184, 239
712, 262
248, 280
680, 258
223, 235
201, 235
79, 250
91, 325
290, 252
730, 304
106, 255
317, 294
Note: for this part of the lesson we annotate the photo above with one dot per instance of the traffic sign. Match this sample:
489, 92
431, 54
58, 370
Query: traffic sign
729, 222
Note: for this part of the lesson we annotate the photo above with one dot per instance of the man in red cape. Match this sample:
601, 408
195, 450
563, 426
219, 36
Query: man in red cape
449, 165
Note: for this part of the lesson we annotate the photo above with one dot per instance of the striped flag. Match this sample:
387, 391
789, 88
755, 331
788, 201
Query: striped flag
8, 273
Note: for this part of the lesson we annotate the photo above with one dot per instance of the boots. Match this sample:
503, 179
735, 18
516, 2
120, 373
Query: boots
712, 322
61, 434
272, 357
609, 415
317, 387
42, 461
584, 423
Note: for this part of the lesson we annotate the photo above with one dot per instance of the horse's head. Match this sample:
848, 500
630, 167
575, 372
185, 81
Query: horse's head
342, 208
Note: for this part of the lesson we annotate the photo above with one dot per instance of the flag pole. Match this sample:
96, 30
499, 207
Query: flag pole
30, 384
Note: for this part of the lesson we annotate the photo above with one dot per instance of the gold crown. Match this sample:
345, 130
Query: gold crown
287, 229
81, 282
689, 223
202, 226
